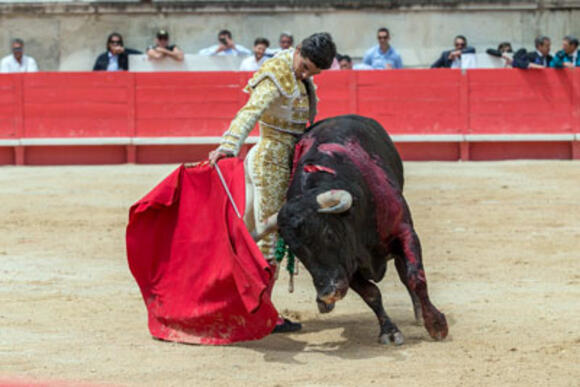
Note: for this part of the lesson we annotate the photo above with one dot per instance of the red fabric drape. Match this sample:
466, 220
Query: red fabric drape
202, 277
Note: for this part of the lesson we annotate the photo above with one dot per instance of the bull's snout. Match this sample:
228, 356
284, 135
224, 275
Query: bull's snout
324, 307
329, 295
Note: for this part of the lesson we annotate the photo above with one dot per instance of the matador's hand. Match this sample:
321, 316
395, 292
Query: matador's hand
216, 155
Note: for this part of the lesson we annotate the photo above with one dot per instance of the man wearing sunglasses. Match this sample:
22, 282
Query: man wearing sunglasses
452, 58
383, 55
17, 62
116, 58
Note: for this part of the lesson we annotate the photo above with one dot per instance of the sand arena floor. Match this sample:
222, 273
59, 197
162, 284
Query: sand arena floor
501, 249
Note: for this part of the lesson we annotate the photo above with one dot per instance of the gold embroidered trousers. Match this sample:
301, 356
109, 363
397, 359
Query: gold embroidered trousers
268, 167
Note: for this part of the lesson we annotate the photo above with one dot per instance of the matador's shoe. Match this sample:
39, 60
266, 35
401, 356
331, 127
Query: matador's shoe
283, 325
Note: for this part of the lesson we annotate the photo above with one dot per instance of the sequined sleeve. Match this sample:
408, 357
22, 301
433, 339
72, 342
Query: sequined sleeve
262, 96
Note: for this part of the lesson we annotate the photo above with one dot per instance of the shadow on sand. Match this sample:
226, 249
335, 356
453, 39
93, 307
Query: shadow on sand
358, 339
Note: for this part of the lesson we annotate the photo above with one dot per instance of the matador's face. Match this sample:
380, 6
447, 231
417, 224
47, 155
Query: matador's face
303, 67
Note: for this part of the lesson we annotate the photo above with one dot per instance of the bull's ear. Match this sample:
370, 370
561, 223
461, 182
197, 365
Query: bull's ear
334, 201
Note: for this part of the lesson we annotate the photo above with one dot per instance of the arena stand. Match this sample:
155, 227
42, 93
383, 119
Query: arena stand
112, 118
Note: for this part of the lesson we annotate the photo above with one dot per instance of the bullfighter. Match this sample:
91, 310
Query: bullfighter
283, 100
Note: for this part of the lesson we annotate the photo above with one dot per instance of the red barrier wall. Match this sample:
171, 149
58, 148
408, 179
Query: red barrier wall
187, 104
521, 101
411, 101
10, 106
77, 104
415, 106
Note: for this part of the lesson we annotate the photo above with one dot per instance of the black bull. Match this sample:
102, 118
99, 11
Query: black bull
345, 216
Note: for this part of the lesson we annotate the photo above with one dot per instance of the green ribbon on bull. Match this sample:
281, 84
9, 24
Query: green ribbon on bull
283, 250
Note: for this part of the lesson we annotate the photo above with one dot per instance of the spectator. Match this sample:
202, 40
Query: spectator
383, 56
505, 47
285, 41
540, 58
345, 62
18, 62
569, 55
335, 65
162, 48
226, 46
452, 58
504, 51
253, 62
116, 58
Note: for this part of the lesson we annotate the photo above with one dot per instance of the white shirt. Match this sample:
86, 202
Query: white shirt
468, 61
239, 50
275, 51
10, 65
465, 61
544, 59
456, 64
113, 62
251, 64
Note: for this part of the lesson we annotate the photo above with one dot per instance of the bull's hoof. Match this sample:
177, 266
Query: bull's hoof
436, 324
324, 307
392, 338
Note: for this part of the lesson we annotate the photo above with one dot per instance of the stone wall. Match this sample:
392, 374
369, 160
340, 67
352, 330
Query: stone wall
69, 35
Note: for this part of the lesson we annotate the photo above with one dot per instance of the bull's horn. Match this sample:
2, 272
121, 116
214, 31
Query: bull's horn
334, 201
270, 225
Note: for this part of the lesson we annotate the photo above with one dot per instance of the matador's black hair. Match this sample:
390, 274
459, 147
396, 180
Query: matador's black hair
320, 49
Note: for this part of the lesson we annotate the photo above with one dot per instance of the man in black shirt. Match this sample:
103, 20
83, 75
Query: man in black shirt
163, 49
116, 58
538, 59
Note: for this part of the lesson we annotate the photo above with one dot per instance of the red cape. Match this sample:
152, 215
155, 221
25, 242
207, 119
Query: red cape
202, 277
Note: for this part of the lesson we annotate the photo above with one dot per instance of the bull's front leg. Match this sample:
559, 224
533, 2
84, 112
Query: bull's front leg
410, 268
369, 292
